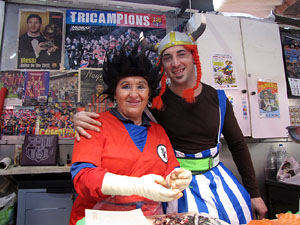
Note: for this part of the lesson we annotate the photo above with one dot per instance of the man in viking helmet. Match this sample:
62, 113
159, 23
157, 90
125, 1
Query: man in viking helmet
194, 116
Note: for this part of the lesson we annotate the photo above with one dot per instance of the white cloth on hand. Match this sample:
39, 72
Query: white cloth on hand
146, 186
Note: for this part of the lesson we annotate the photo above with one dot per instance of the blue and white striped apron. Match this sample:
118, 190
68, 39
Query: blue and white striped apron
217, 191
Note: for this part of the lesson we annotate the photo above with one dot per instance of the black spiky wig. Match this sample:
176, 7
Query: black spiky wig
124, 63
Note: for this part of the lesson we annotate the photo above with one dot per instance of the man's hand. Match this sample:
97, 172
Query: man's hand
259, 209
37, 47
84, 120
179, 178
52, 49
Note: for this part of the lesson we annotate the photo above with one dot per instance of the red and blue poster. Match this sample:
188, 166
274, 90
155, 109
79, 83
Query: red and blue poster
18, 120
57, 119
36, 88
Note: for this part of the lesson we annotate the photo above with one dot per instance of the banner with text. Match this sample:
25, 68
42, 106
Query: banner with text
90, 34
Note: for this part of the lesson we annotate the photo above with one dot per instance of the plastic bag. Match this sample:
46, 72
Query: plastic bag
7, 209
289, 171
126, 203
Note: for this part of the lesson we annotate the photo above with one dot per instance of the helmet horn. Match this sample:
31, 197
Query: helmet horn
148, 46
197, 33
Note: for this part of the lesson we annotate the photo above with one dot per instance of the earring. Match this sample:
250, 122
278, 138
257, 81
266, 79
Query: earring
149, 104
115, 103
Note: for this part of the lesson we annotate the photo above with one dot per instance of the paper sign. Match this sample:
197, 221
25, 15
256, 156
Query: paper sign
100, 217
268, 99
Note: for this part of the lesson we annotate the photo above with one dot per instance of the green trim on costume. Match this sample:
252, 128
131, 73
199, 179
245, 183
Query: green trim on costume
202, 164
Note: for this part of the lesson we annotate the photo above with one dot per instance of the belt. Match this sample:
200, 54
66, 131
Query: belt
199, 165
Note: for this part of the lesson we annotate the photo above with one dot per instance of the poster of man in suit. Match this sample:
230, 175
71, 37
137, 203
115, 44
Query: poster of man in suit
40, 40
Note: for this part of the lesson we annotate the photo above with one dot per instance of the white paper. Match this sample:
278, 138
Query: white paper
100, 217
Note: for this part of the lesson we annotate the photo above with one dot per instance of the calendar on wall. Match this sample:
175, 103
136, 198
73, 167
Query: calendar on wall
294, 86
295, 115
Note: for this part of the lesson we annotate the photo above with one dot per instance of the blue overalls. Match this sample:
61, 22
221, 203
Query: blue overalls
214, 189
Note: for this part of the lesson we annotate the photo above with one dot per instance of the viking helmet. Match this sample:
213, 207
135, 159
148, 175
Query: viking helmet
175, 38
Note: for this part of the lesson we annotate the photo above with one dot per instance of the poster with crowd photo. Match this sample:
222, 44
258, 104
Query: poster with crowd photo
63, 87
40, 39
291, 51
14, 82
224, 71
36, 88
90, 34
57, 119
268, 99
18, 120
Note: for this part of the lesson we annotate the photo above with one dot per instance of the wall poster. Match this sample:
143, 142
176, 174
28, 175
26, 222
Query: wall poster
63, 86
224, 71
90, 34
268, 99
18, 120
14, 82
91, 86
291, 52
36, 88
40, 40
57, 119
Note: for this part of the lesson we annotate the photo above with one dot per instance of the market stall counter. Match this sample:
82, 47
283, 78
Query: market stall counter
45, 194
281, 197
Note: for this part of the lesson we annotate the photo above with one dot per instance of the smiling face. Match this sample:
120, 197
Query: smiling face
178, 63
132, 94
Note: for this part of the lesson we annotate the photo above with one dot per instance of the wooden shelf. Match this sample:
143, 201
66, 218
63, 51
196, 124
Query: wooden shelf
34, 170
18, 140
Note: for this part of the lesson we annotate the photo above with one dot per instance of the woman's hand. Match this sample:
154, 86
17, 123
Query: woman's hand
84, 120
179, 178
148, 186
